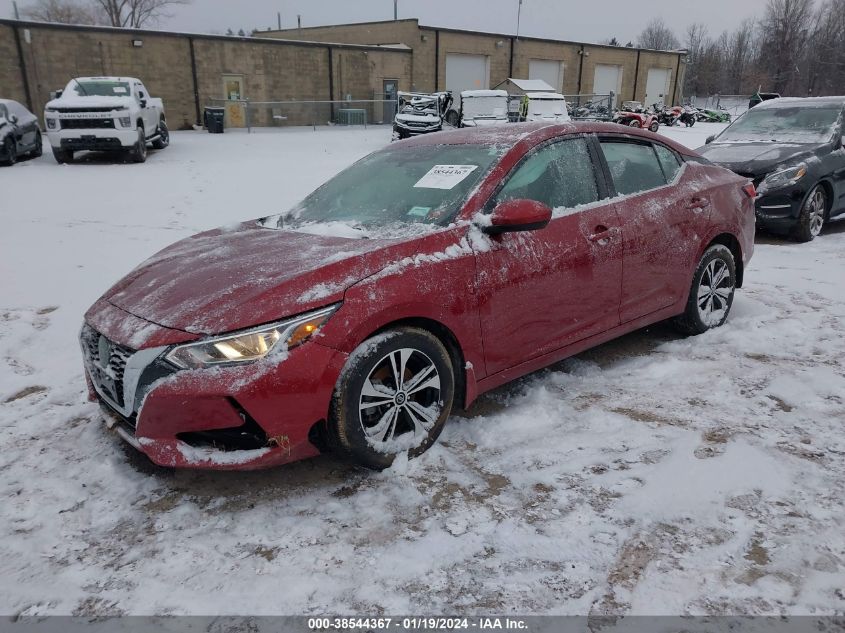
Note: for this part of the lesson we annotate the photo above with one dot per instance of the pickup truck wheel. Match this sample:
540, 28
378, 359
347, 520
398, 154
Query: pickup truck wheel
163, 139
139, 151
39, 146
10, 155
62, 156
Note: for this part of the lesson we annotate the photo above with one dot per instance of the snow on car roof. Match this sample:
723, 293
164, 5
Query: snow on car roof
105, 79
531, 84
484, 93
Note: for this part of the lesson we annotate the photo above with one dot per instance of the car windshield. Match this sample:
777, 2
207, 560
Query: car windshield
798, 124
485, 106
99, 88
394, 188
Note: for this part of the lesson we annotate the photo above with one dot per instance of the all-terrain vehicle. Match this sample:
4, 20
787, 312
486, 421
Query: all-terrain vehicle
633, 114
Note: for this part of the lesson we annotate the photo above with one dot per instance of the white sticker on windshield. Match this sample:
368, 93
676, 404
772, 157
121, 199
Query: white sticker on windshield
119, 90
445, 176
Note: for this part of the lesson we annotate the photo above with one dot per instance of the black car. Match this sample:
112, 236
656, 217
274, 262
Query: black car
793, 150
19, 132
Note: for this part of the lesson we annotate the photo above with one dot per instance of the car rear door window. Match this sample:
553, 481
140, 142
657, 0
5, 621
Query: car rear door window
560, 175
634, 167
670, 163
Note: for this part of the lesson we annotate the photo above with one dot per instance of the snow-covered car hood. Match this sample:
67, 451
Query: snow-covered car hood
229, 279
426, 117
756, 159
71, 101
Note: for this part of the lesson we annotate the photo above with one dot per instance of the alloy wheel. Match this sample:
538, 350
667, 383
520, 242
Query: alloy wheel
714, 292
400, 400
816, 205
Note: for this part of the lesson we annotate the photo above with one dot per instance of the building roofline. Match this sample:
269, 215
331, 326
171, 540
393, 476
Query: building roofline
200, 36
485, 33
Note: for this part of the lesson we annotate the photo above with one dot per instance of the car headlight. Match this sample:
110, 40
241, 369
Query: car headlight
52, 124
125, 121
250, 345
784, 177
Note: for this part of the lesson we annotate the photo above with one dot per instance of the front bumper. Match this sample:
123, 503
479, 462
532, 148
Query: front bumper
93, 139
779, 209
412, 129
226, 418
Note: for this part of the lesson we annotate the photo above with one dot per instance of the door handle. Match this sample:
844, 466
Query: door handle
697, 204
601, 235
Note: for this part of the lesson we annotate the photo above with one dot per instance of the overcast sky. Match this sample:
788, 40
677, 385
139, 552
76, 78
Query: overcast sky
580, 20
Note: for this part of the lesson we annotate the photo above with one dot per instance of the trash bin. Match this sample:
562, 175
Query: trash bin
214, 119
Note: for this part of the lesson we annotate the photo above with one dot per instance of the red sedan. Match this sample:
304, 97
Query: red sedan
423, 275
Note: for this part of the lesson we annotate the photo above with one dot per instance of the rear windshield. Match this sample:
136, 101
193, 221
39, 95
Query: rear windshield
798, 124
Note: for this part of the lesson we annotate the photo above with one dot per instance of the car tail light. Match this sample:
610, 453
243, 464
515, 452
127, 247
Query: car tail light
750, 190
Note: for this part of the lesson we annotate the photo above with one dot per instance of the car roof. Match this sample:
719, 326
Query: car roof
791, 102
510, 134
106, 79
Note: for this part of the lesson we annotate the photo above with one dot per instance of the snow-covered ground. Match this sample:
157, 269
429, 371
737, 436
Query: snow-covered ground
655, 474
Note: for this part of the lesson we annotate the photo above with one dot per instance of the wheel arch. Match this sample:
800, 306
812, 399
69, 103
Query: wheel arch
729, 240
829, 195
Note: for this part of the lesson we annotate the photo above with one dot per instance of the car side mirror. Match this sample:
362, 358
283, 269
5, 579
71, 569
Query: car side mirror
58, 94
709, 139
143, 103
13, 119
518, 215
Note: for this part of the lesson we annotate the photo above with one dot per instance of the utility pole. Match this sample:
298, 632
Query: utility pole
279, 19
395, 10
516, 40
17, 13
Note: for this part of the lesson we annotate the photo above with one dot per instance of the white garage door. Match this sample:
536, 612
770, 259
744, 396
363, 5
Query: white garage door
607, 79
548, 70
657, 86
467, 72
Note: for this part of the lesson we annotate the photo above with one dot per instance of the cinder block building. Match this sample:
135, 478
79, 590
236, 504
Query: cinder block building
453, 59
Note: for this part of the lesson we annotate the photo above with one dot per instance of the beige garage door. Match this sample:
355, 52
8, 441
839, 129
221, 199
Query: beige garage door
467, 72
549, 70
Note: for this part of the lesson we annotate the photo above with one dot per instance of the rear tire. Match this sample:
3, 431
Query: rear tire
812, 217
10, 151
634, 123
62, 156
138, 154
163, 139
393, 396
712, 292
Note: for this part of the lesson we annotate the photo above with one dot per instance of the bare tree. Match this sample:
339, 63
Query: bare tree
62, 11
785, 31
658, 36
135, 13
826, 65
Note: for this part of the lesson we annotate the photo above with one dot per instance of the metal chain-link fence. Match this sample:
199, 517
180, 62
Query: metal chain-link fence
734, 104
590, 107
244, 113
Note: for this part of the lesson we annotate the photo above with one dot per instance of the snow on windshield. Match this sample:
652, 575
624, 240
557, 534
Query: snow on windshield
99, 88
797, 124
392, 192
485, 106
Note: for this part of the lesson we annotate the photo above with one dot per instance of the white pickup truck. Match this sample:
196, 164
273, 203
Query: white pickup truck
105, 114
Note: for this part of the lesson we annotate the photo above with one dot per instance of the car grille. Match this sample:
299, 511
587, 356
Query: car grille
106, 362
87, 124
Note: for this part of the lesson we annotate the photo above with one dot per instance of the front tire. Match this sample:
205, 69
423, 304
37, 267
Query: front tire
163, 139
62, 156
654, 126
138, 154
812, 217
393, 396
10, 151
39, 146
712, 292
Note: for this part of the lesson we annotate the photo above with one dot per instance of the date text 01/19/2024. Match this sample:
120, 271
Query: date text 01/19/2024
416, 624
